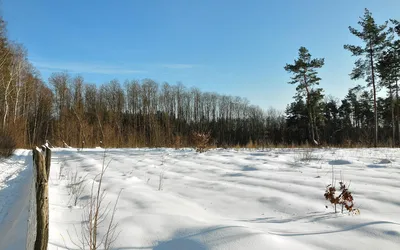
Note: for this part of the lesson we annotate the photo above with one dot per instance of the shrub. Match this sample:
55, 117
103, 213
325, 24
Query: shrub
306, 155
7, 145
201, 141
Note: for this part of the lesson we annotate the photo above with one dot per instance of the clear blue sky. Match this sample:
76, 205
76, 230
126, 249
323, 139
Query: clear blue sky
226, 46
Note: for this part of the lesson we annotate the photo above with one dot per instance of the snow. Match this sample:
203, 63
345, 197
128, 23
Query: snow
227, 199
15, 196
235, 199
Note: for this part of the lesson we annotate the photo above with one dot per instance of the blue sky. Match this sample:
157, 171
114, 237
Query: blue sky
226, 46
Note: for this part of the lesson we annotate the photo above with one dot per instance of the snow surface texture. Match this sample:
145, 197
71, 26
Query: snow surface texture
233, 199
17, 213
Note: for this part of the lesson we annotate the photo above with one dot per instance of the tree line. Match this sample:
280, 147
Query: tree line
69, 111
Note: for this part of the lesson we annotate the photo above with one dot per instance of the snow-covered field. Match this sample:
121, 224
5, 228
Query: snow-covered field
232, 199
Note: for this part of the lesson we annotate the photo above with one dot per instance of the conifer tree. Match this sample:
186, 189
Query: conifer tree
389, 72
305, 75
374, 37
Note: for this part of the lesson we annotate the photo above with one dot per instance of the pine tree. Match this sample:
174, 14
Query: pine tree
374, 36
305, 75
389, 77
389, 71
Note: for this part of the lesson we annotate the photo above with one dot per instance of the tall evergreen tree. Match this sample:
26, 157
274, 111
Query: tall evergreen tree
389, 72
374, 37
305, 74
389, 78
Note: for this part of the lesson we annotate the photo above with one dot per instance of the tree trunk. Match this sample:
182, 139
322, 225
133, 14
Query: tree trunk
6, 105
18, 90
393, 116
311, 123
101, 130
374, 91
16, 104
398, 110
310, 114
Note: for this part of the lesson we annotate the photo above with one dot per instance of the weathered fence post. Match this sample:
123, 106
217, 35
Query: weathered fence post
48, 162
42, 165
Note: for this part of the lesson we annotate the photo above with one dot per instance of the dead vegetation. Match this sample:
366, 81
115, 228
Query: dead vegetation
340, 196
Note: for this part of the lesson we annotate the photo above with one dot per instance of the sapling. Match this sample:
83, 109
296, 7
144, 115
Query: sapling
76, 186
94, 217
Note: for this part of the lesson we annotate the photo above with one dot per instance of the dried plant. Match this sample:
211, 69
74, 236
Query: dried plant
344, 198
330, 195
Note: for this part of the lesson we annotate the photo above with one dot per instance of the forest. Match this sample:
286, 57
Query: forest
67, 110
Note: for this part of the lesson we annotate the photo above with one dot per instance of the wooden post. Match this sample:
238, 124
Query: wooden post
42, 200
48, 162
